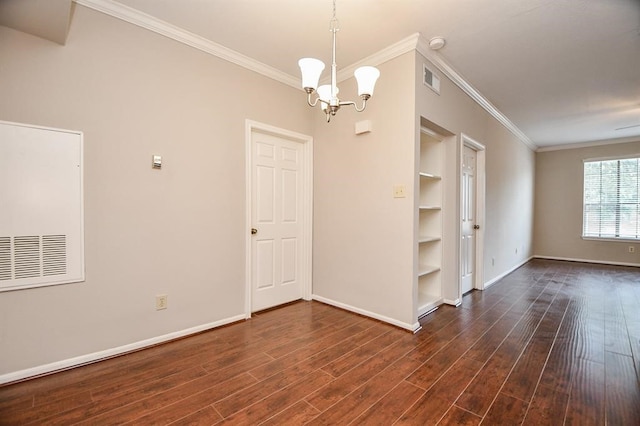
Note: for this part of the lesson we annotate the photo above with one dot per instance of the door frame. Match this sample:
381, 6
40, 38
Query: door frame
478, 273
307, 204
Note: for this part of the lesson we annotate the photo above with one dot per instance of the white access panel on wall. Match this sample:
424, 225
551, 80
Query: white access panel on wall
41, 206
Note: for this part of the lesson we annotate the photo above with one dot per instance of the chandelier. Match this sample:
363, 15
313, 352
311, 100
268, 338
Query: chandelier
327, 95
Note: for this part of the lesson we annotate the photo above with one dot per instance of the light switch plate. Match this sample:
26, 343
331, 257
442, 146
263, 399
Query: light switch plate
157, 162
399, 191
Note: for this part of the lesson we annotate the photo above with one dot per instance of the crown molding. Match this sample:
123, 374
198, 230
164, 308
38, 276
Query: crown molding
135, 17
629, 139
438, 61
403, 46
408, 44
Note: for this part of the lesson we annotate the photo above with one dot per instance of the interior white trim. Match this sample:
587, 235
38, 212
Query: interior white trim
433, 134
158, 26
306, 275
110, 353
612, 240
600, 262
504, 274
442, 65
413, 42
407, 44
411, 327
588, 144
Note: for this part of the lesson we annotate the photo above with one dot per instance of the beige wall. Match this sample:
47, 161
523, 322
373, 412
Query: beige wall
362, 235
510, 170
509, 202
181, 230
178, 231
558, 213
364, 244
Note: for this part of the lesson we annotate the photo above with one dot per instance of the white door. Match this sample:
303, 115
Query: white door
468, 205
276, 211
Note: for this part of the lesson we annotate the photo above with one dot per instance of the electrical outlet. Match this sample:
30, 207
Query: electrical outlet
161, 302
632, 249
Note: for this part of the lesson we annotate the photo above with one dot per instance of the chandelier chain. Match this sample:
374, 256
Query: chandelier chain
333, 24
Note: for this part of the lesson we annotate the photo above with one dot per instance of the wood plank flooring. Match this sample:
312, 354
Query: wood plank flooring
552, 343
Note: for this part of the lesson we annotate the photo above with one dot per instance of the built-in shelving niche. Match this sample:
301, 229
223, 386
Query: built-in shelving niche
430, 224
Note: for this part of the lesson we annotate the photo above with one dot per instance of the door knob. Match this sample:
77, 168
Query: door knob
254, 231
476, 226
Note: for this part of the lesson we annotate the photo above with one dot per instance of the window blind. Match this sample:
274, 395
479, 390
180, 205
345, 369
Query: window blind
612, 199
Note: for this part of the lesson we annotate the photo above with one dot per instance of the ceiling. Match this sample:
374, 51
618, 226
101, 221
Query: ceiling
563, 71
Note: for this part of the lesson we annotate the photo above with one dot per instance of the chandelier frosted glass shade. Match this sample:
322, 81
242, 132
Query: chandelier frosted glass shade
311, 69
366, 78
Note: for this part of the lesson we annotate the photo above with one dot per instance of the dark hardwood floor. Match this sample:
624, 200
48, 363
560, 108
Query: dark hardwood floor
552, 343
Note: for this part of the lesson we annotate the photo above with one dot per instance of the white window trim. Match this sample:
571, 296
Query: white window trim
604, 239
611, 239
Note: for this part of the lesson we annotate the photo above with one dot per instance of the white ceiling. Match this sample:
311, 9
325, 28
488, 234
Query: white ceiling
563, 71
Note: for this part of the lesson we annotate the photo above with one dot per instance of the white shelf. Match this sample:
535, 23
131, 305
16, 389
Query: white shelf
428, 239
427, 269
430, 176
430, 181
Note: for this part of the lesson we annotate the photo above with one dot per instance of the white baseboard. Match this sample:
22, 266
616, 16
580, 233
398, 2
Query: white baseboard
504, 274
411, 327
455, 302
109, 353
601, 262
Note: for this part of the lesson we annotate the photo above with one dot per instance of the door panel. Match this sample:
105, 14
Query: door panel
468, 205
264, 264
276, 212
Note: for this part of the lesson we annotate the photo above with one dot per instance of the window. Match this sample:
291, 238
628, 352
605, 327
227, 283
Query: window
612, 199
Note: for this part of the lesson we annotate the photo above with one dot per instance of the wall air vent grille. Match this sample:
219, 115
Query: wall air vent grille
54, 255
5, 258
431, 80
26, 257
33, 256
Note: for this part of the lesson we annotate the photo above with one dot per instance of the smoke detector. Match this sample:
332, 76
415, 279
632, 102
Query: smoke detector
437, 43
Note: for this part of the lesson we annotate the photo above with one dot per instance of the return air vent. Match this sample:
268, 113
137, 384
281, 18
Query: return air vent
54, 255
431, 80
26, 257
5, 258
41, 207
32, 256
